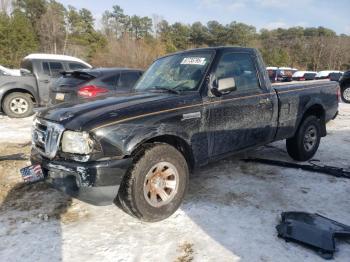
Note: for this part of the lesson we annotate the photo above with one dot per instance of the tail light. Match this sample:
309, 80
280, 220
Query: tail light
338, 94
91, 91
302, 79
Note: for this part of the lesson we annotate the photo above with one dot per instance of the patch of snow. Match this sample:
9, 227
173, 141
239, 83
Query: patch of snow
14, 130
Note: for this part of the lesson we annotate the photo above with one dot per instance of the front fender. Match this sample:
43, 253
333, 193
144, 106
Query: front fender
125, 138
142, 136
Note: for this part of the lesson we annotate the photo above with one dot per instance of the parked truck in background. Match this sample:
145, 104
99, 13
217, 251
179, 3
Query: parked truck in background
188, 109
20, 94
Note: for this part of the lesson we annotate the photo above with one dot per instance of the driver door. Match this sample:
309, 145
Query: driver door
241, 118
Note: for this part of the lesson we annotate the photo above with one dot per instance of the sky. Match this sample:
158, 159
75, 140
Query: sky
268, 14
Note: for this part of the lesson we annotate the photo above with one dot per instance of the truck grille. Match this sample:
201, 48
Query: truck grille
46, 137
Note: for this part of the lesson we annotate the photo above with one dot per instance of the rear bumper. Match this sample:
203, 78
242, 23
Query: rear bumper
93, 182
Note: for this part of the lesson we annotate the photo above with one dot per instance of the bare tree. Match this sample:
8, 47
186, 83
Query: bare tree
156, 21
52, 29
5, 6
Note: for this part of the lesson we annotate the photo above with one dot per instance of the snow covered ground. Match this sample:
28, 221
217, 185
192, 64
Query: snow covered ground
229, 214
15, 130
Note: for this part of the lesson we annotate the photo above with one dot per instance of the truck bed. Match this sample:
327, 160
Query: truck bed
7, 80
295, 97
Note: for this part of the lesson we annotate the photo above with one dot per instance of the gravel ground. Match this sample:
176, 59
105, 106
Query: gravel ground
229, 214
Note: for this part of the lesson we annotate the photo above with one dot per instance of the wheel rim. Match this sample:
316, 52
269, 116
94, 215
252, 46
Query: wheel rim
19, 105
346, 94
161, 184
310, 138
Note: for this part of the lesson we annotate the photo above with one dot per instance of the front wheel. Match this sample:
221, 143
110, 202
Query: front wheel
345, 94
155, 186
304, 144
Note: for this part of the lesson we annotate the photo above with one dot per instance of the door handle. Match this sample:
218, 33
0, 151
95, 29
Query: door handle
45, 81
264, 101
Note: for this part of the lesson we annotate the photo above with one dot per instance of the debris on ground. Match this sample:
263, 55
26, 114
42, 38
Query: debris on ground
312, 167
312, 230
186, 250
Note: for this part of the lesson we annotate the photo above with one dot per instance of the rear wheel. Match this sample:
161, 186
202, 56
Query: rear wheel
155, 186
304, 144
345, 94
18, 105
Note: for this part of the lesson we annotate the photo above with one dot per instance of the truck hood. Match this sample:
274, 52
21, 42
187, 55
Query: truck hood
92, 114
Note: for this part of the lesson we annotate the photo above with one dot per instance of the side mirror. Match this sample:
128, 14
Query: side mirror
226, 85
25, 72
221, 86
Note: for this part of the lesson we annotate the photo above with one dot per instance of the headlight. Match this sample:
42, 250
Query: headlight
77, 143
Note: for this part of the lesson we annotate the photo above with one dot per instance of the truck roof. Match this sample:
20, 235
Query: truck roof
234, 48
55, 57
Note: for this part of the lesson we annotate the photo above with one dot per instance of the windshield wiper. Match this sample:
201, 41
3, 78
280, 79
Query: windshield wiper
170, 90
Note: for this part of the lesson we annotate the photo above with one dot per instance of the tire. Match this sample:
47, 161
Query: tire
18, 105
304, 144
345, 94
141, 192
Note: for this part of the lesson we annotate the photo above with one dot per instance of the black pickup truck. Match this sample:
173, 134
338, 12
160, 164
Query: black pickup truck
188, 109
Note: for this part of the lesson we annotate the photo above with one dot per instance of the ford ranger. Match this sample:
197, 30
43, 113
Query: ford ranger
188, 109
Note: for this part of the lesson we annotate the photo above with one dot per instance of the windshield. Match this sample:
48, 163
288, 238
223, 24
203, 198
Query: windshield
179, 72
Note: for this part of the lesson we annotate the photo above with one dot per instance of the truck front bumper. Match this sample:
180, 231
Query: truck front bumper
96, 182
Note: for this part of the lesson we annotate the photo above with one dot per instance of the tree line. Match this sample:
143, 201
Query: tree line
28, 26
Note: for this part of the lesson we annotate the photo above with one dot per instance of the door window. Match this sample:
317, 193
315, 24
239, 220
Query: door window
241, 67
52, 68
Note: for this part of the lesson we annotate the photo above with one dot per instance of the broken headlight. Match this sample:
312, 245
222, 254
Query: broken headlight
77, 143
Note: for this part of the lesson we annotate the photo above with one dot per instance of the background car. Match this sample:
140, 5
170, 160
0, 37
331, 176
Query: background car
280, 74
325, 74
335, 76
344, 83
91, 83
304, 75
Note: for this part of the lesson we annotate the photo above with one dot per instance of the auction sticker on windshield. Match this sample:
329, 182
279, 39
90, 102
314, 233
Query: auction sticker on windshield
193, 61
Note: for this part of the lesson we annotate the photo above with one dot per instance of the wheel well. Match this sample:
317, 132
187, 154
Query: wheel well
177, 142
18, 90
318, 111
345, 84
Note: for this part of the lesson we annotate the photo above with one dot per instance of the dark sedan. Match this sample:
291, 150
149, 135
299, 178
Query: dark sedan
91, 83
